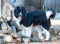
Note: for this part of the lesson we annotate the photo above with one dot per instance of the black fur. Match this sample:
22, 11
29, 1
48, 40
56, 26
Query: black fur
37, 18
17, 11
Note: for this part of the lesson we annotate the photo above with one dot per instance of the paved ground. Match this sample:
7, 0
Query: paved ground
53, 42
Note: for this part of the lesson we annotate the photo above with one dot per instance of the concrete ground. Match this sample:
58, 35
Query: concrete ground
56, 42
52, 42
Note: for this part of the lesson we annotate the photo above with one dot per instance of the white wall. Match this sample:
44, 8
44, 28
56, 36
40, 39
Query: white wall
57, 16
55, 21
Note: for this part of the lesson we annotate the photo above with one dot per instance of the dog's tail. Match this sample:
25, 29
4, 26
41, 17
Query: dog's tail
51, 13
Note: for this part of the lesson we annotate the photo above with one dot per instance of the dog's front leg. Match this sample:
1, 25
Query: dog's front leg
26, 31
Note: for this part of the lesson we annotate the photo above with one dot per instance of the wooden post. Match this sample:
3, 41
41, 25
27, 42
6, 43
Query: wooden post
0, 7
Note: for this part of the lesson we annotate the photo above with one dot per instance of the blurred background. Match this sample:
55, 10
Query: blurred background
32, 5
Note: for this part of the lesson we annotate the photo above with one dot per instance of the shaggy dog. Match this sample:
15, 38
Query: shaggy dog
38, 19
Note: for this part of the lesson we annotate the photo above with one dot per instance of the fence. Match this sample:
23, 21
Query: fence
55, 4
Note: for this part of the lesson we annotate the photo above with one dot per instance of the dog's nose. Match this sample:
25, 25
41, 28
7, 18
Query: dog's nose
20, 14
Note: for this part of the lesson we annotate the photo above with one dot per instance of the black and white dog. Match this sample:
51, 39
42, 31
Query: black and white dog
38, 19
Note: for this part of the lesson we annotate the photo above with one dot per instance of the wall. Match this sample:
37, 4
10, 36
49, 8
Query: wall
0, 7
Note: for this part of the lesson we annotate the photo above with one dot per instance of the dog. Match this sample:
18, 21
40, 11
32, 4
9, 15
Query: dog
38, 19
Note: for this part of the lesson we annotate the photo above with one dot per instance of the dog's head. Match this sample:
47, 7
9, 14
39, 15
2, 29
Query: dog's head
19, 11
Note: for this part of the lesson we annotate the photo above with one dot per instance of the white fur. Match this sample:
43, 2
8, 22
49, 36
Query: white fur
48, 14
26, 31
20, 13
46, 32
39, 30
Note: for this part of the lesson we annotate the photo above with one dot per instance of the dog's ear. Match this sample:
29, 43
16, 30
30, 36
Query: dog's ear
23, 9
17, 11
